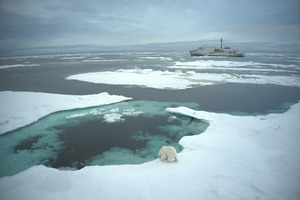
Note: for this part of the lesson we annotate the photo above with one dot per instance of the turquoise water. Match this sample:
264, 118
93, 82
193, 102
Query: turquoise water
76, 138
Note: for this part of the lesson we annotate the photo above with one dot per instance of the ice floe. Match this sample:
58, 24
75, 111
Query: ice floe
110, 116
237, 157
231, 65
156, 58
72, 57
225, 63
179, 80
21, 108
18, 65
113, 117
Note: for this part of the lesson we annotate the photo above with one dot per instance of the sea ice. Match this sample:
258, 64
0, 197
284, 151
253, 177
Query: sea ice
21, 108
237, 157
18, 65
89, 136
156, 58
179, 80
225, 64
113, 117
231, 65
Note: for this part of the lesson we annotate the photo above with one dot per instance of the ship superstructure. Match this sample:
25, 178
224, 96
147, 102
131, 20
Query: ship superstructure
214, 51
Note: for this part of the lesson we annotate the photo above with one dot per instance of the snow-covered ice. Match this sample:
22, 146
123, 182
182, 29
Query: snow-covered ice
232, 65
21, 108
237, 157
179, 80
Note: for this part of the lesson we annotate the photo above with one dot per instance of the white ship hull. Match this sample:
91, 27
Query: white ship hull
199, 53
213, 51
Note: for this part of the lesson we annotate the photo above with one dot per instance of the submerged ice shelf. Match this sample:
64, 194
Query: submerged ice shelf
129, 132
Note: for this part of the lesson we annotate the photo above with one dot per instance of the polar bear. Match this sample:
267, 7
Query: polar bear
168, 153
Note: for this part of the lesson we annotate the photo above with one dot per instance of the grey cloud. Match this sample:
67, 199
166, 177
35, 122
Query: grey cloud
35, 23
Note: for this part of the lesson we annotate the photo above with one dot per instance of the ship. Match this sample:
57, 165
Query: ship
214, 51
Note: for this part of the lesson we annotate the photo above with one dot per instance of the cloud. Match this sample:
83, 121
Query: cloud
36, 23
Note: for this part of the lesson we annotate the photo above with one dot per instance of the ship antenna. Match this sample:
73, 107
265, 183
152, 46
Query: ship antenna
221, 43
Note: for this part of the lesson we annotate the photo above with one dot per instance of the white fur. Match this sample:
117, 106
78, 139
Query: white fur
168, 153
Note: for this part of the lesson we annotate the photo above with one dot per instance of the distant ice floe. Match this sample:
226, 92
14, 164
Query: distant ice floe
179, 80
73, 57
21, 108
156, 58
231, 65
224, 64
93, 60
90, 58
18, 65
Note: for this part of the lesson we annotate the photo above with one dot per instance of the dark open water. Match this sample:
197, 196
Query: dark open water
50, 75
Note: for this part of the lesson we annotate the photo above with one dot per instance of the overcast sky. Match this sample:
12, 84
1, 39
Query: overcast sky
35, 23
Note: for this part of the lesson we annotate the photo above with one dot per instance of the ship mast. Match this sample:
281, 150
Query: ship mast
221, 43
